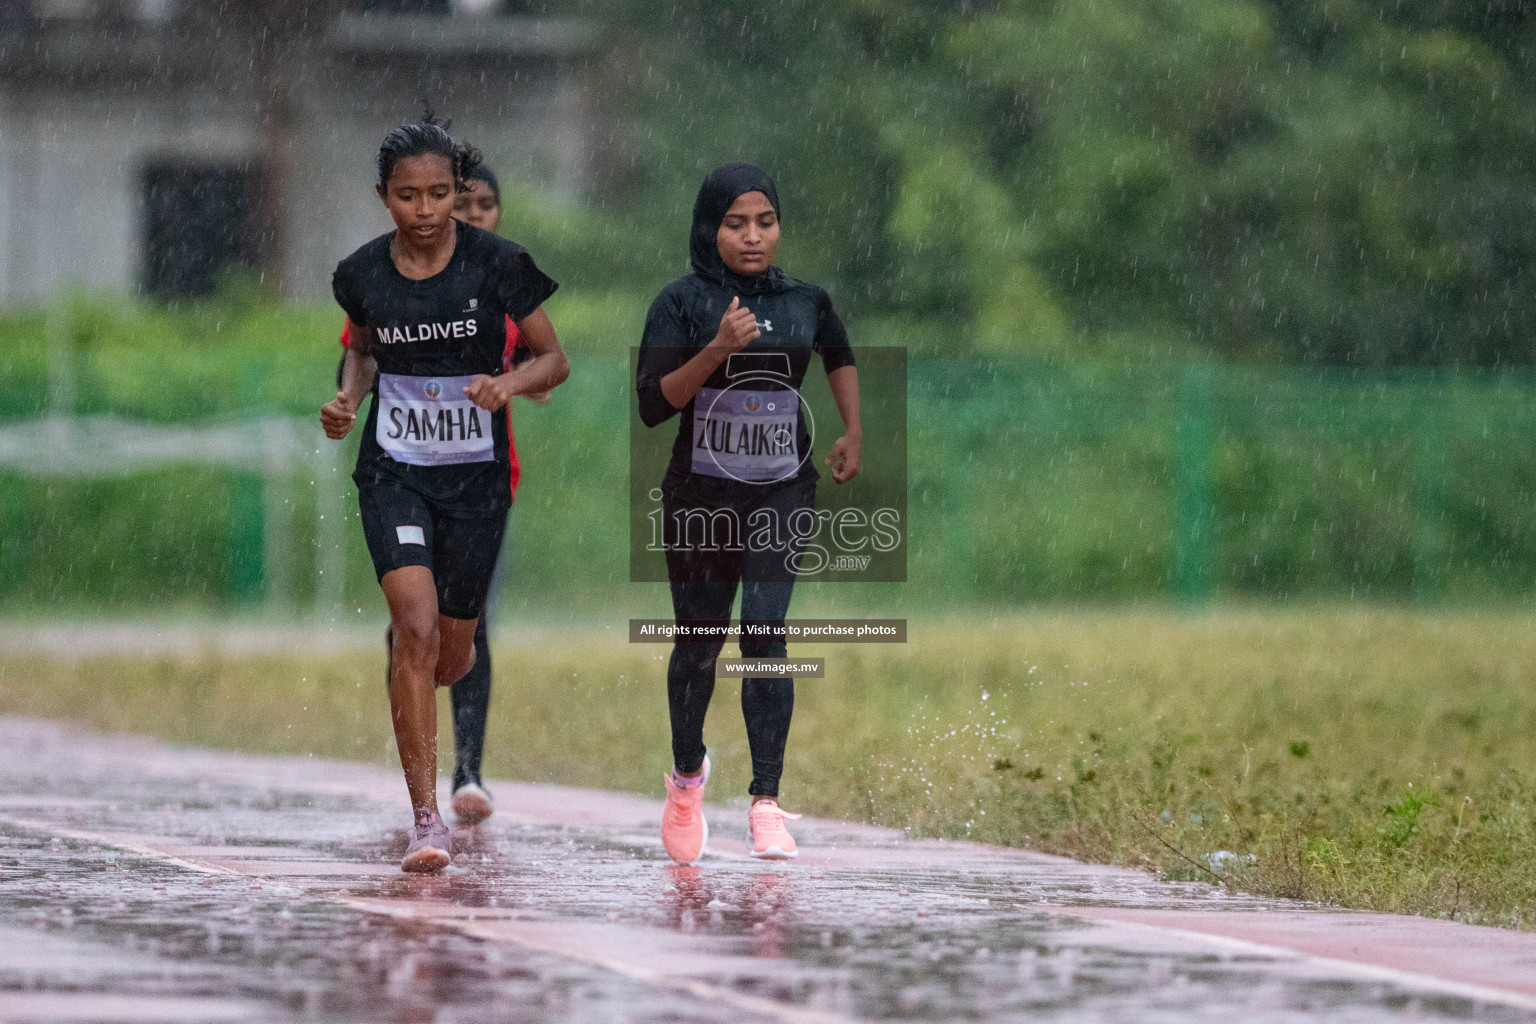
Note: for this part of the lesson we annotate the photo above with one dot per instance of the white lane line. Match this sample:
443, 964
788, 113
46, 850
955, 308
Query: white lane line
122, 842
1370, 972
688, 986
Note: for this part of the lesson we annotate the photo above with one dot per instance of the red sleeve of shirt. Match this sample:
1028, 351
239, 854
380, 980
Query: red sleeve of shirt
514, 338
346, 334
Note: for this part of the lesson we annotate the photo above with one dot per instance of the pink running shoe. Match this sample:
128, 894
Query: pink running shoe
770, 839
683, 828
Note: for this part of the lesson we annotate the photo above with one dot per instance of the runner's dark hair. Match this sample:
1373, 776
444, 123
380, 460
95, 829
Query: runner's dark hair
480, 172
428, 137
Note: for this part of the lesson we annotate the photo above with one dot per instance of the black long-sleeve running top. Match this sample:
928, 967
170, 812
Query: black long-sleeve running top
735, 434
746, 428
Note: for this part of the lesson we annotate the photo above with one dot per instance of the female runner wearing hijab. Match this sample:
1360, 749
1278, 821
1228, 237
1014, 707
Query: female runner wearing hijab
726, 349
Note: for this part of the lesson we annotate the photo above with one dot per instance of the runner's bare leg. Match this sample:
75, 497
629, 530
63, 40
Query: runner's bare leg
430, 650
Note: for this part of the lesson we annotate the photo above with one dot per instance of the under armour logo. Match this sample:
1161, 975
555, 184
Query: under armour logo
765, 325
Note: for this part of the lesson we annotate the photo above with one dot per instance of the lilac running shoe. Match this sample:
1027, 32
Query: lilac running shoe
431, 846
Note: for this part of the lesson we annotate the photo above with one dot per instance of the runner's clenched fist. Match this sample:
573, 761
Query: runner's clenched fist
489, 393
337, 416
738, 328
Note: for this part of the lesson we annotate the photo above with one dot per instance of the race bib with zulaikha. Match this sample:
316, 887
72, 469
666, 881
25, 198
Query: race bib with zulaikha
427, 421
746, 435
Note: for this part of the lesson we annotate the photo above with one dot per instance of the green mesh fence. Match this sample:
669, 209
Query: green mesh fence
1028, 483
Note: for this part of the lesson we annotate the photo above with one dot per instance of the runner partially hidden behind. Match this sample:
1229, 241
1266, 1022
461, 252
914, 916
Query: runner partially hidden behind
728, 347
426, 309
479, 205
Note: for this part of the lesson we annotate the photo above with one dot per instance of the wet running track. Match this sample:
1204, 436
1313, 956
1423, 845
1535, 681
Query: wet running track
144, 882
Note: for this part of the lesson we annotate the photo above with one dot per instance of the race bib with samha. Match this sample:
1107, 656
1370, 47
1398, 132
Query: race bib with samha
746, 435
427, 421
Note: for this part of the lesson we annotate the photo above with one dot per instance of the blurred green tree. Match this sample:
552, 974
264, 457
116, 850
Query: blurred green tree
1324, 181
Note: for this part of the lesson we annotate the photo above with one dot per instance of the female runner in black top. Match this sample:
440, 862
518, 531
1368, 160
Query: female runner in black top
426, 306
727, 347
479, 206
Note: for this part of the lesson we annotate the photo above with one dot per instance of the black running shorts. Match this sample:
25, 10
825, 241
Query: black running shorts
403, 528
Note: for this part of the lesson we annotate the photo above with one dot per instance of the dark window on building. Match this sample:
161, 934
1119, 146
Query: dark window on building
201, 221
404, 6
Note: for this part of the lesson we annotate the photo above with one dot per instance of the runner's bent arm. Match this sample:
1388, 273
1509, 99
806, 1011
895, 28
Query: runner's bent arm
844, 456
665, 345
843, 378
547, 369
738, 328
357, 372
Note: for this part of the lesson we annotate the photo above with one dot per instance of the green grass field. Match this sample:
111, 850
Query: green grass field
1379, 759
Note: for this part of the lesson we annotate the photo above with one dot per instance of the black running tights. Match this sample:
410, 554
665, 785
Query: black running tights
767, 703
471, 697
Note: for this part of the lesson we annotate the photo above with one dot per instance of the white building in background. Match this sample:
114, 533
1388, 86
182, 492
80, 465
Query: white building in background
145, 145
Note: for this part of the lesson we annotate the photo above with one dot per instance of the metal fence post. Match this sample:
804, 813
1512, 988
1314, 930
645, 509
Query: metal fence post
245, 530
1194, 437
11, 536
959, 527
1429, 499
330, 531
247, 563
277, 520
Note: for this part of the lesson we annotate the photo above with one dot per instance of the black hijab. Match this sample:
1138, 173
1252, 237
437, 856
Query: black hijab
722, 187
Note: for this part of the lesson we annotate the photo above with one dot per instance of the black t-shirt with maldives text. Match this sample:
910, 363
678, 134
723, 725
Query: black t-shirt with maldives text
450, 325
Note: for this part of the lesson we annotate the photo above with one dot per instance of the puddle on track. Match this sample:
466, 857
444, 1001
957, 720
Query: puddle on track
90, 931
